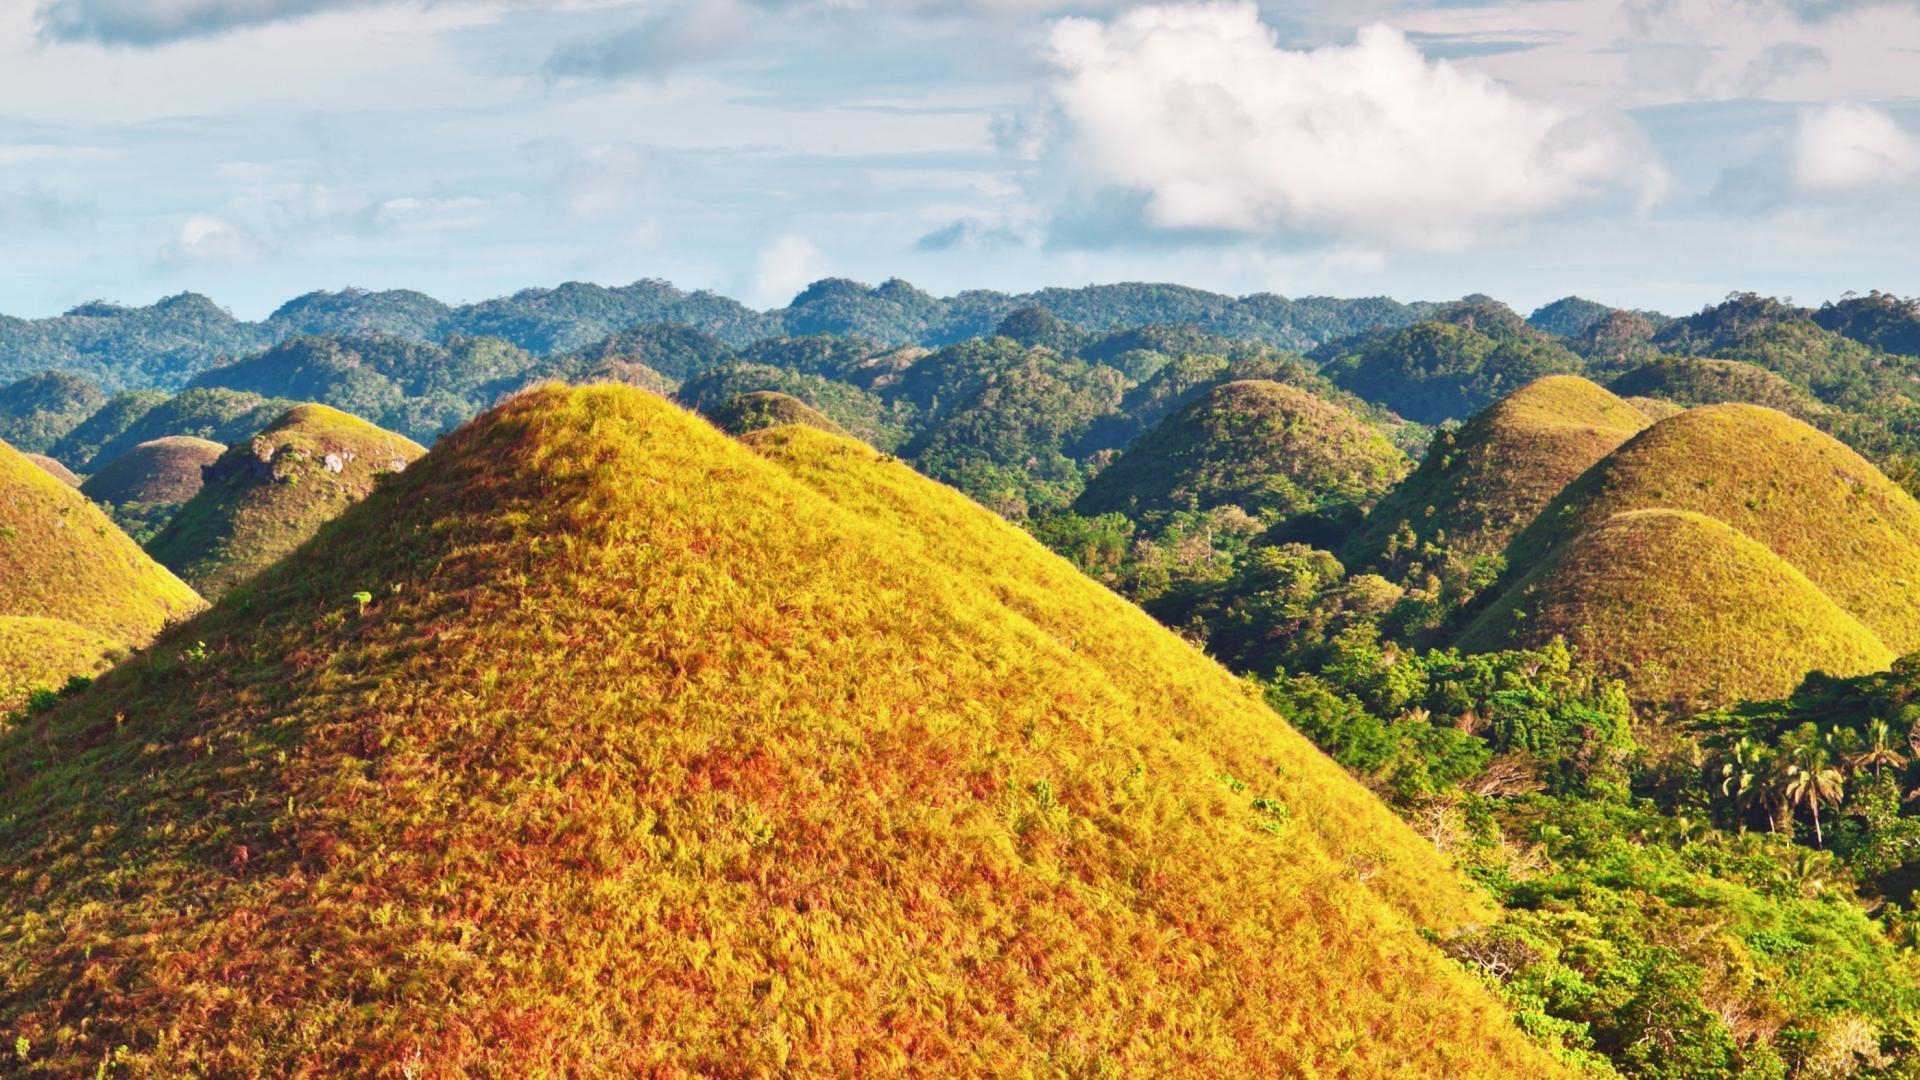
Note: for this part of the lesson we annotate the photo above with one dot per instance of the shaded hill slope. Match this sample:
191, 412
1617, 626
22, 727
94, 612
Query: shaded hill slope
1268, 448
646, 755
267, 496
1687, 610
159, 471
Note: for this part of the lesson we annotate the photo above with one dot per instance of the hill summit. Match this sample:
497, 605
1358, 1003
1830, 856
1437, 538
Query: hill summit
1481, 485
1792, 554
599, 737
266, 496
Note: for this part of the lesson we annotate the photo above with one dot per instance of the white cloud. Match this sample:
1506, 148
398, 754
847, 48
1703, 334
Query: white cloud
1199, 110
785, 267
1849, 147
204, 238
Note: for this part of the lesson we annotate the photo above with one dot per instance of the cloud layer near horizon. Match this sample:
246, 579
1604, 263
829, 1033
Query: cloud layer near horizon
1653, 152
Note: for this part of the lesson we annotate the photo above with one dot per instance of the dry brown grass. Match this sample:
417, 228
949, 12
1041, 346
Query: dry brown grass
597, 743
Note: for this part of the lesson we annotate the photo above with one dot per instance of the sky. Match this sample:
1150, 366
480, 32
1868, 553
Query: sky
1646, 153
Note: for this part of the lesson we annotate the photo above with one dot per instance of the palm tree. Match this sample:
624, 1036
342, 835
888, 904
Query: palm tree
1812, 779
1741, 777
1880, 750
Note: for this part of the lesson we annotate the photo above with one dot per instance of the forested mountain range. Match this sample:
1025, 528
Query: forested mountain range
166, 343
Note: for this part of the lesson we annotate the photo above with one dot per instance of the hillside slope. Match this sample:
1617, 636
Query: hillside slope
1481, 485
1801, 494
1265, 447
267, 496
1684, 608
60, 558
43, 654
646, 754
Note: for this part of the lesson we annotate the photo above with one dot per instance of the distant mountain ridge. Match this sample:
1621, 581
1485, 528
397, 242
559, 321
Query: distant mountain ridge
167, 343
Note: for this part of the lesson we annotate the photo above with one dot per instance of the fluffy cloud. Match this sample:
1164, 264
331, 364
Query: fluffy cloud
153, 22
785, 267
205, 238
1851, 147
1198, 110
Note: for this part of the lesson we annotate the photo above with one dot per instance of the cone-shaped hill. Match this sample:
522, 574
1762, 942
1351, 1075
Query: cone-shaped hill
158, 472
1801, 494
1265, 447
60, 558
267, 496
58, 471
762, 409
1481, 485
653, 755
1695, 380
1688, 610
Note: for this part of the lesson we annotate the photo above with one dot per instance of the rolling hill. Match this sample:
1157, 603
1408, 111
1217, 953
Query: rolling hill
599, 737
267, 496
62, 561
1479, 486
1802, 495
143, 488
1268, 448
762, 409
165, 471
1687, 610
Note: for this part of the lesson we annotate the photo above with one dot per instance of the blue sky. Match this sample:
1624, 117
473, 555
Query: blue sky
1654, 153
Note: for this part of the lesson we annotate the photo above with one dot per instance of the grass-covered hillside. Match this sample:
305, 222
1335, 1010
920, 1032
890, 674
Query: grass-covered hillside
266, 496
1802, 495
1481, 484
1684, 608
142, 488
62, 560
597, 737
1273, 450
39, 655
59, 471
762, 409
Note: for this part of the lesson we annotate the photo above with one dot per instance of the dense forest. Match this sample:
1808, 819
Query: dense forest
1466, 553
